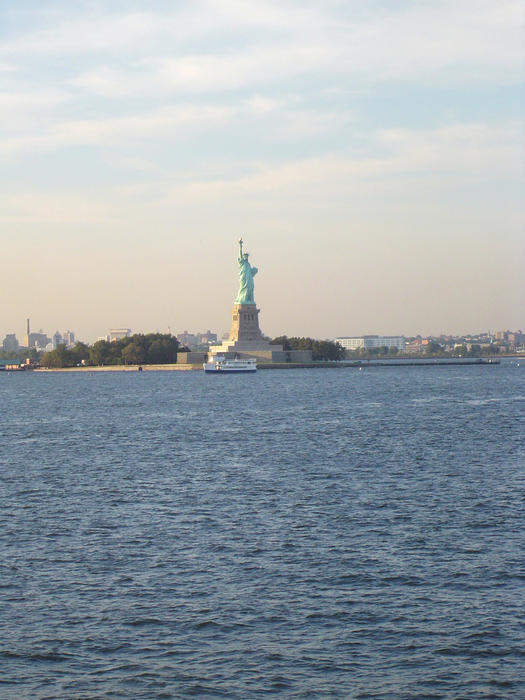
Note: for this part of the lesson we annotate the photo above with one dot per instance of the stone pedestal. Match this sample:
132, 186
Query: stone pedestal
246, 339
245, 324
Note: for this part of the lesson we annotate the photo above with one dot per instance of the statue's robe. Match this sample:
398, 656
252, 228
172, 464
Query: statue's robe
246, 274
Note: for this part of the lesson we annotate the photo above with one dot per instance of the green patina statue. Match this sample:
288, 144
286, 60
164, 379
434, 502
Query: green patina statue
246, 275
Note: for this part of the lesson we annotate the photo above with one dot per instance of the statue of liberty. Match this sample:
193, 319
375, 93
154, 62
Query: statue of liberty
246, 275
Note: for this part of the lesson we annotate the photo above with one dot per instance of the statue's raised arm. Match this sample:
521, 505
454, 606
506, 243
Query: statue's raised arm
246, 275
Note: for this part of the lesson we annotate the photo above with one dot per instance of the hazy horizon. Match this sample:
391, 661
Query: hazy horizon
371, 156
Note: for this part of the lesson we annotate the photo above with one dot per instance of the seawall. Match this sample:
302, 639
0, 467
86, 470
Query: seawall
123, 368
360, 364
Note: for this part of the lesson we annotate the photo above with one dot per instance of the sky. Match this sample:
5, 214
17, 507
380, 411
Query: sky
370, 153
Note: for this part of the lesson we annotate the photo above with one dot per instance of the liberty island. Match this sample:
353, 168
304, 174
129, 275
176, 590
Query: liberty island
244, 342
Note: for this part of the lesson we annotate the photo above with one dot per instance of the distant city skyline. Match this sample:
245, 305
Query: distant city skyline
43, 340
218, 333
370, 154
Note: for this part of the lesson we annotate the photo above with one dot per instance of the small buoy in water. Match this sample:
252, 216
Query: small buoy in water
140, 369
360, 369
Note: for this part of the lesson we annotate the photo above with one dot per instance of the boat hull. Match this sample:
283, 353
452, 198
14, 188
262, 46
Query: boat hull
220, 365
220, 370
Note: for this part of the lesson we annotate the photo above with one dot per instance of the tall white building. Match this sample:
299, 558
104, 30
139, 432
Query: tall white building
372, 341
69, 338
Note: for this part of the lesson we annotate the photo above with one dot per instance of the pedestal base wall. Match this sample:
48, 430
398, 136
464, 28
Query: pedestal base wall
246, 340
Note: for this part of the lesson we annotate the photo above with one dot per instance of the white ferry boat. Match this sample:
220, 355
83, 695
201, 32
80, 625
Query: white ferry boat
219, 364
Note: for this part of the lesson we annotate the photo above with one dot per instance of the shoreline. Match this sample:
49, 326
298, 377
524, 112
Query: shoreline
355, 364
123, 368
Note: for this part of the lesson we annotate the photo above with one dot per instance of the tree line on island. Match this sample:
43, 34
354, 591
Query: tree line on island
138, 349
433, 349
322, 350
328, 351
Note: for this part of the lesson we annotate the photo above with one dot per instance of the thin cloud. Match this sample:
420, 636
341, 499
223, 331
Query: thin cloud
115, 130
471, 154
468, 40
19, 109
454, 156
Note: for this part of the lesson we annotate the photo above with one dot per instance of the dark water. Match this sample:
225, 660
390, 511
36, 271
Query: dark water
303, 533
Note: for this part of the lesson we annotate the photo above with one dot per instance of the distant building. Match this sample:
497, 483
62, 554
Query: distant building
118, 333
37, 340
208, 338
371, 341
189, 340
69, 338
511, 340
517, 338
57, 340
413, 347
196, 340
10, 343
28, 333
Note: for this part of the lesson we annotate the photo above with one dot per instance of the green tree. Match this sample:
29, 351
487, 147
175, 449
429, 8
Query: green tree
153, 348
163, 350
433, 348
57, 358
79, 353
460, 351
281, 340
490, 349
101, 353
322, 350
326, 350
134, 354
22, 354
